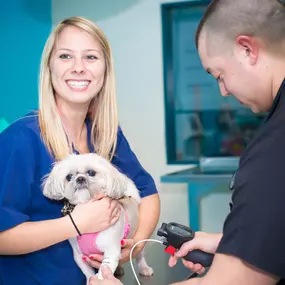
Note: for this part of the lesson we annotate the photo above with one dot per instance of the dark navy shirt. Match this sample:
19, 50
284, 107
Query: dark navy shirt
24, 160
254, 231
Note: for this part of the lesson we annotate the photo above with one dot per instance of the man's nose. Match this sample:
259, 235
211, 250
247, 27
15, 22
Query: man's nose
223, 90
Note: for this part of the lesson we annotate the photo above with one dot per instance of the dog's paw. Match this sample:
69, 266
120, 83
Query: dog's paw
146, 271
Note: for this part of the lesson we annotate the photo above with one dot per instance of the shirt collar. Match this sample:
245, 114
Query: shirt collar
276, 100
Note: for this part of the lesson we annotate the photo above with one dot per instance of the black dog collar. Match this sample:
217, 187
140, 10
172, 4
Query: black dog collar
67, 208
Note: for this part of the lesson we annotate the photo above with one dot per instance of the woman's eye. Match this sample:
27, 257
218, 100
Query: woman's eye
69, 177
91, 172
65, 56
91, 57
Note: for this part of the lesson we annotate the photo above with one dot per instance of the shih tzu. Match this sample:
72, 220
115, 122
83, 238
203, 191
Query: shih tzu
76, 180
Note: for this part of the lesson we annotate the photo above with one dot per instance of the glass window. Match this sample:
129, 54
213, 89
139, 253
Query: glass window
199, 121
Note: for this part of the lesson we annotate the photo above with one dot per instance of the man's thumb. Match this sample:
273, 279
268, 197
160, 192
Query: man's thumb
107, 272
187, 247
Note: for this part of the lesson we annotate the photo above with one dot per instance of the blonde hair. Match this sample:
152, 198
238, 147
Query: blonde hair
103, 108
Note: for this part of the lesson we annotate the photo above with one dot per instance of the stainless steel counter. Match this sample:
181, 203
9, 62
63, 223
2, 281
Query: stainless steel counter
158, 260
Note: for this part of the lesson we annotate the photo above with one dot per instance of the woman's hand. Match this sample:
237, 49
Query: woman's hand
202, 241
94, 260
127, 245
108, 276
96, 215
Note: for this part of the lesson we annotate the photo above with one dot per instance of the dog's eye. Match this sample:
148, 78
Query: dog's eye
91, 172
69, 177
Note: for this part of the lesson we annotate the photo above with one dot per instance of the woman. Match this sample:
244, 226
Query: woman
77, 113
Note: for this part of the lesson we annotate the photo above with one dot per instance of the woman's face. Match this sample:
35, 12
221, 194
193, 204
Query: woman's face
77, 67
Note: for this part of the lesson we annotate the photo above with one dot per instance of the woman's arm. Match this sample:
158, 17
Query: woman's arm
149, 212
27, 237
149, 209
148, 217
32, 236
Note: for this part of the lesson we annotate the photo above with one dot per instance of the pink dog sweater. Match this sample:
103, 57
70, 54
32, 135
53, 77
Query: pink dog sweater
87, 242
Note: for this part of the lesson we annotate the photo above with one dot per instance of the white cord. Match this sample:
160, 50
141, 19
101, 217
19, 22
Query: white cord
131, 255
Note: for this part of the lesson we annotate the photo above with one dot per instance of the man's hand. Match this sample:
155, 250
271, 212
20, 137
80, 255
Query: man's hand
202, 241
108, 276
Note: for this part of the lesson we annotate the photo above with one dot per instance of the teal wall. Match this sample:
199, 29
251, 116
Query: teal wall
25, 25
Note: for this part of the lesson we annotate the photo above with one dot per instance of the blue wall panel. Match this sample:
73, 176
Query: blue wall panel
25, 25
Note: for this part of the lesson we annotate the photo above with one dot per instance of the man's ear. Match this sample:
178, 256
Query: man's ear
249, 47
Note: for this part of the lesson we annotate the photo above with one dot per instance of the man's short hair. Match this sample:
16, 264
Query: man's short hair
264, 19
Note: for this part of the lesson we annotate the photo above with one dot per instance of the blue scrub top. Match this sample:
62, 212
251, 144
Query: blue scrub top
24, 160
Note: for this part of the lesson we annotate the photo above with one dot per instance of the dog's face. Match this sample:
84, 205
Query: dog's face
79, 177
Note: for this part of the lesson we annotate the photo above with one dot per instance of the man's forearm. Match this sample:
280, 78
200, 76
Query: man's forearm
194, 281
230, 270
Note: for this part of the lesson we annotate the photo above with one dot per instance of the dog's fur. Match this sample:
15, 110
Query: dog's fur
96, 174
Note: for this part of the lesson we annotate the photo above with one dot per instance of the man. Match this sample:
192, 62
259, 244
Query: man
242, 44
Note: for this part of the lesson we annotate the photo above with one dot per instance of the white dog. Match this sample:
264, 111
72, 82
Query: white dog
77, 179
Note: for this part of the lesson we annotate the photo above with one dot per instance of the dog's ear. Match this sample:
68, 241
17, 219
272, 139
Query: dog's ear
119, 184
115, 186
122, 186
52, 186
132, 191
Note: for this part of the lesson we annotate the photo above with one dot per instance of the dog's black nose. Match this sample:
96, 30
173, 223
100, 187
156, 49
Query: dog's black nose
80, 179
